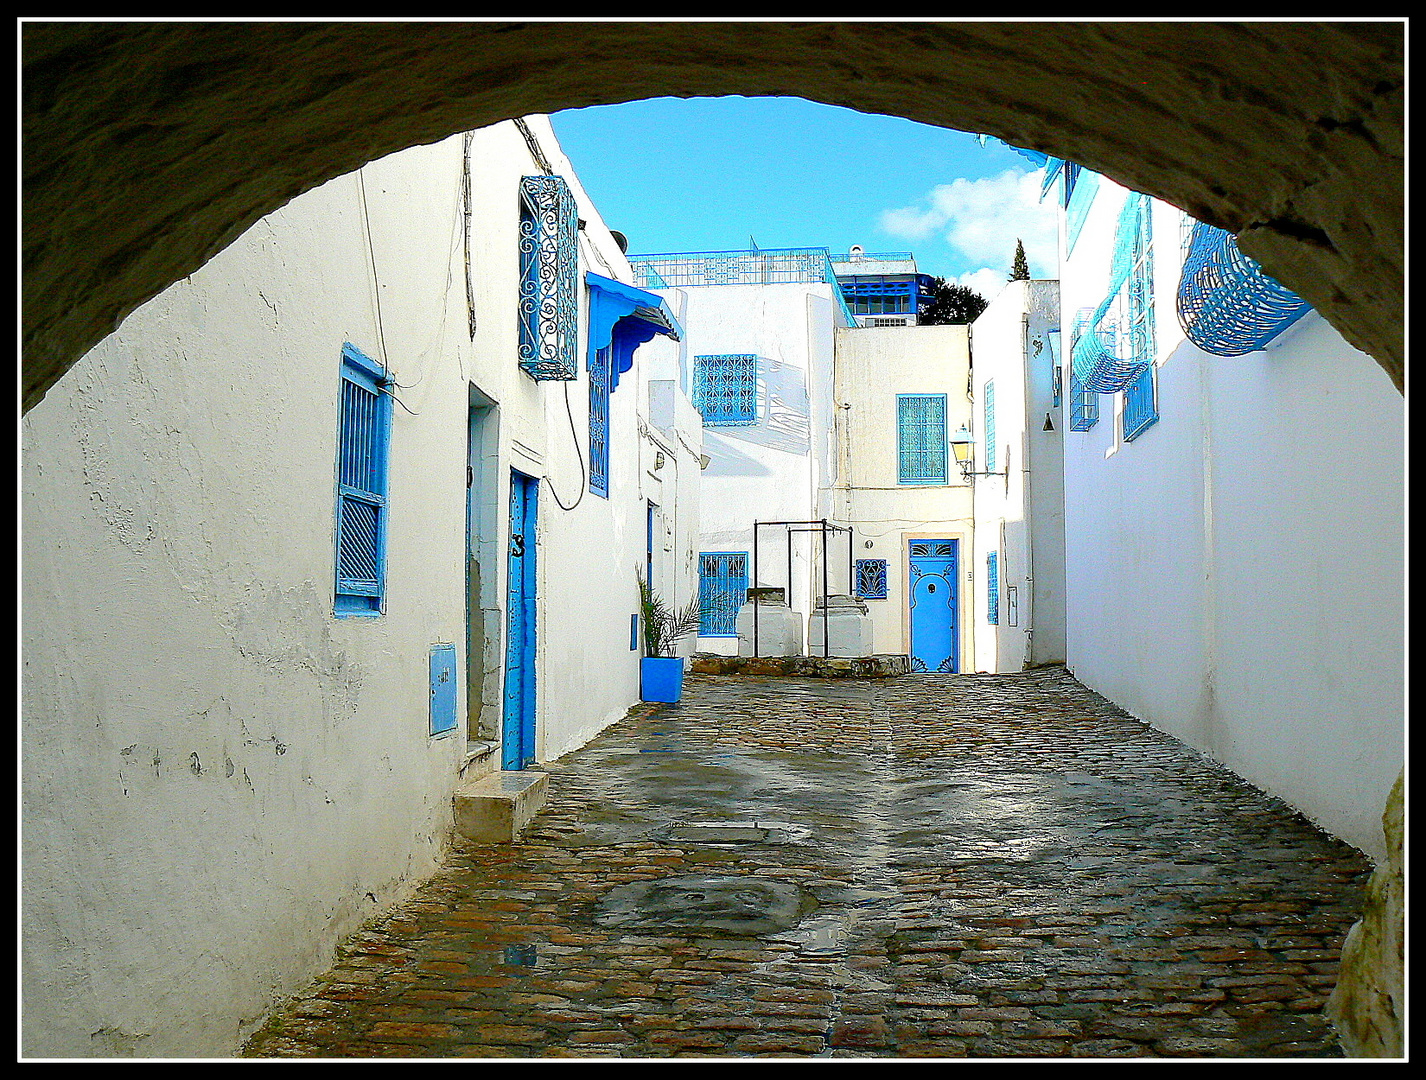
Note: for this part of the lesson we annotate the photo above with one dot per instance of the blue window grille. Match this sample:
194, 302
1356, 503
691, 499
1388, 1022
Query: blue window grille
878, 296
722, 590
871, 579
1084, 405
1226, 304
992, 588
1141, 404
549, 266
990, 426
921, 438
599, 423
363, 447
725, 389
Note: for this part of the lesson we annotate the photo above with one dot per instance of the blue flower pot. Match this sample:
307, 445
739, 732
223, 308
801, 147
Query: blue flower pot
661, 678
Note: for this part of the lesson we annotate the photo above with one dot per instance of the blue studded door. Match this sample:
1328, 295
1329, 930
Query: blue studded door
935, 630
517, 741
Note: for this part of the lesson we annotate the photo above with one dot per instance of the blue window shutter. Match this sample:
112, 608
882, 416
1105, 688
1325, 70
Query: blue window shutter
871, 579
363, 438
722, 590
1141, 404
725, 389
921, 438
990, 426
992, 588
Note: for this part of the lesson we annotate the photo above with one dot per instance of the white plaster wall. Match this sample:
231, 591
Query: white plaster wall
874, 365
1020, 515
1235, 574
221, 779
769, 471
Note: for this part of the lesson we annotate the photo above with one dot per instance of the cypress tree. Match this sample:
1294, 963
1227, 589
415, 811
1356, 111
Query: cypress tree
1020, 270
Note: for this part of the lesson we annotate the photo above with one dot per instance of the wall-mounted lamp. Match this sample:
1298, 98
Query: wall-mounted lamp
658, 461
704, 461
1049, 424
963, 446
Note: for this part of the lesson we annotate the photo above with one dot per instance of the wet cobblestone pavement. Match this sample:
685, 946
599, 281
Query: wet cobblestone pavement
925, 866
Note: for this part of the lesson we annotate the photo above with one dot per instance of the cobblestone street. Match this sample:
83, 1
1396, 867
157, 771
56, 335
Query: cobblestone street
942, 866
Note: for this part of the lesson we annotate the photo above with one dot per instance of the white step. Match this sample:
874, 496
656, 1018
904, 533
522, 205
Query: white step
496, 808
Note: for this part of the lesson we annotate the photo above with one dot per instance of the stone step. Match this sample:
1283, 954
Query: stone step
496, 808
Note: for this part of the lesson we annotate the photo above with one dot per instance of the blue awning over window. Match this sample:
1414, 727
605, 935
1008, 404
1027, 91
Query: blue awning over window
625, 317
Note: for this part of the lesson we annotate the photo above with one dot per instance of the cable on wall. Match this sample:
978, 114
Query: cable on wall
583, 473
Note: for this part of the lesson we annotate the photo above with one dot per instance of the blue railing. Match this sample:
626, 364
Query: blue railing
771, 266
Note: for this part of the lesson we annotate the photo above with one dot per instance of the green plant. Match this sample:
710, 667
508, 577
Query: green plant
662, 626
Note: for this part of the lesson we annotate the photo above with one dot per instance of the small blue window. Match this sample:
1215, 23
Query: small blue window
599, 422
725, 389
1084, 405
871, 579
921, 438
722, 590
363, 446
990, 426
1140, 404
992, 588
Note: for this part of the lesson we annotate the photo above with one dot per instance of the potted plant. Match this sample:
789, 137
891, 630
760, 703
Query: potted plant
660, 671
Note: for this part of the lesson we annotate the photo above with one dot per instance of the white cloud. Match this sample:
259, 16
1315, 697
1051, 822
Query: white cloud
980, 220
986, 282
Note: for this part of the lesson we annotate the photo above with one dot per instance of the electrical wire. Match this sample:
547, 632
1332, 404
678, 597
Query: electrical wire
583, 474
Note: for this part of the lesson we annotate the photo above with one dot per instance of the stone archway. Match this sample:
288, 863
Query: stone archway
147, 147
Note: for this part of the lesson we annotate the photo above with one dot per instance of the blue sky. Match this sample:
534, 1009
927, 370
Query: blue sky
705, 174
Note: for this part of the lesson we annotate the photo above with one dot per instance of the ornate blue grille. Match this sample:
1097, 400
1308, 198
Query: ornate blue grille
725, 389
992, 588
599, 422
871, 579
1227, 306
549, 264
921, 438
722, 590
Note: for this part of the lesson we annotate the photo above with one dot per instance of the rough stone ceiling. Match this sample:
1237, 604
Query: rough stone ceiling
148, 147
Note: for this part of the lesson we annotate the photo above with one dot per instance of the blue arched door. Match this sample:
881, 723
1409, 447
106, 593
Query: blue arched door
935, 631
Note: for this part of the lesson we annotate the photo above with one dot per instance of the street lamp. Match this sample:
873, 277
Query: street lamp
963, 446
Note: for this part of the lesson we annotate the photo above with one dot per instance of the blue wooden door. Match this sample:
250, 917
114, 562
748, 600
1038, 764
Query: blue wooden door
518, 728
935, 631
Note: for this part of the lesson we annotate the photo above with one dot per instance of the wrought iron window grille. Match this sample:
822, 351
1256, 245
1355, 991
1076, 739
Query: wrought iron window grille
871, 579
725, 389
549, 265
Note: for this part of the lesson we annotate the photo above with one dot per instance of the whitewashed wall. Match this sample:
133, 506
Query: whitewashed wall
1235, 574
772, 470
1019, 516
220, 779
874, 365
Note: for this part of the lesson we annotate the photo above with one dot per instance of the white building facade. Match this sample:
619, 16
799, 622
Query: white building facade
902, 392
1018, 468
301, 540
1234, 515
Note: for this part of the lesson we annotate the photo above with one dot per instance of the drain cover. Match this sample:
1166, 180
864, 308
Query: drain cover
704, 905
